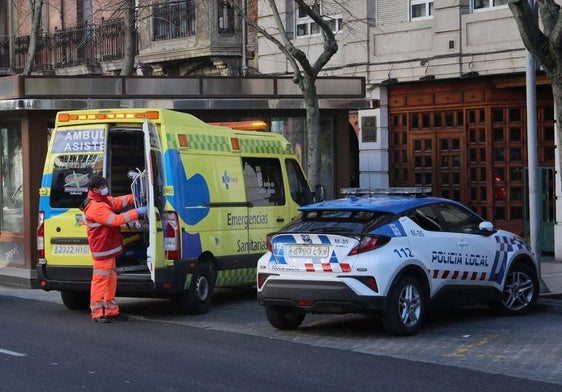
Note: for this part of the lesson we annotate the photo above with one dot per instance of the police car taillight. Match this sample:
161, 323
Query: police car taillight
171, 235
368, 243
41, 236
268, 242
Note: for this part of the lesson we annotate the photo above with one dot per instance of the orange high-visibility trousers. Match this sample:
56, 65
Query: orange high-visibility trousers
103, 287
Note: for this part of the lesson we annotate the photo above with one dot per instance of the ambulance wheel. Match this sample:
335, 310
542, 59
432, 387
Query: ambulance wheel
197, 299
406, 307
75, 300
284, 317
520, 291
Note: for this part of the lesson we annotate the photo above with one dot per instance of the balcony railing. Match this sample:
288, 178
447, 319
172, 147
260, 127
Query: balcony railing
82, 45
4, 50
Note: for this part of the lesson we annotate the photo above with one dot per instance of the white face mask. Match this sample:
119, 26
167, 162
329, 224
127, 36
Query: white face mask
104, 191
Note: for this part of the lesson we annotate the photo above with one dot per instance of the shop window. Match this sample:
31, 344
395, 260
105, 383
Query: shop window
515, 115
498, 134
12, 177
293, 128
515, 134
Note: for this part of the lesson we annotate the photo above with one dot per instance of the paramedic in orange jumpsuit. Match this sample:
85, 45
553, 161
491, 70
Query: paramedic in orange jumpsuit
104, 238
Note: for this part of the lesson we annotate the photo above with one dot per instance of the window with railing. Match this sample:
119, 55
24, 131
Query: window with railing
82, 44
225, 14
173, 19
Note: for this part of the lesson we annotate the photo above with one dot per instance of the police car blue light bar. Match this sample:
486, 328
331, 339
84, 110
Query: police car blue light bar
411, 191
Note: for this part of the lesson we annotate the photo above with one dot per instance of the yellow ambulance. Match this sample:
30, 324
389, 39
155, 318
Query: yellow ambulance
213, 194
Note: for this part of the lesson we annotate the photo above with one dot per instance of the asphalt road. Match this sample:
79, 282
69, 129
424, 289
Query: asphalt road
45, 347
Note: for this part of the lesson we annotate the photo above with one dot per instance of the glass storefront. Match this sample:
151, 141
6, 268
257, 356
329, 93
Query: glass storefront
293, 128
11, 192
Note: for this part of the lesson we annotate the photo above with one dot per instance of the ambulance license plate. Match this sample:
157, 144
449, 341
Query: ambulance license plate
308, 251
71, 250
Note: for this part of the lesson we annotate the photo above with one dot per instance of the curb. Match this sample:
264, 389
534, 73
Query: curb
551, 303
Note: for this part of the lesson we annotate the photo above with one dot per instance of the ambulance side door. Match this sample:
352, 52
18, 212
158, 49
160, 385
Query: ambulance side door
155, 201
267, 199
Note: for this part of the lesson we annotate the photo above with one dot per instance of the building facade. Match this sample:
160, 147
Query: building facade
172, 37
450, 78
190, 55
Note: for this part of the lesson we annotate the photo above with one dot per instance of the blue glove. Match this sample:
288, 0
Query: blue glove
141, 210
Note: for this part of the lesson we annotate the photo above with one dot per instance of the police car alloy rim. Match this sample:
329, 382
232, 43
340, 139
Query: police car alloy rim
518, 291
409, 305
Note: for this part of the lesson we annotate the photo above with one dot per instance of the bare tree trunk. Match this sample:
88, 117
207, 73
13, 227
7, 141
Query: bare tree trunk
130, 39
35, 7
314, 164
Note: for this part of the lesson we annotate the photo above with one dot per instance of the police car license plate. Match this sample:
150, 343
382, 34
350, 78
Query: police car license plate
308, 251
71, 249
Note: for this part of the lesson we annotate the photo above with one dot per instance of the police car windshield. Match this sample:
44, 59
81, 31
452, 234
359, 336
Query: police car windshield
348, 221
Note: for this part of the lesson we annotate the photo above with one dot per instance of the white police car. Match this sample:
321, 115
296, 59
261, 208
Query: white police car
393, 255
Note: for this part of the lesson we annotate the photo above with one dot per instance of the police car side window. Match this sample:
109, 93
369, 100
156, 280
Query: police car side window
425, 218
459, 220
263, 181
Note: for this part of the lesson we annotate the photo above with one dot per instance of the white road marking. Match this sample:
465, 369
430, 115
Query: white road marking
15, 354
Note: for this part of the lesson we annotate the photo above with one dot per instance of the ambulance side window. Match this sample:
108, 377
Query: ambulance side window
300, 192
263, 181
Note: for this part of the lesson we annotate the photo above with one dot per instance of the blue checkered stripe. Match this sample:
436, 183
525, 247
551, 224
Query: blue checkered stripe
278, 256
504, 246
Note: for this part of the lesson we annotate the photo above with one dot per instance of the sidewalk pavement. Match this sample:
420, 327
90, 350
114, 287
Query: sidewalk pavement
551, 284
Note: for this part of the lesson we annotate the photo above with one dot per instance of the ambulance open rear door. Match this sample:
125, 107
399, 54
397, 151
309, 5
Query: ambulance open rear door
155, 198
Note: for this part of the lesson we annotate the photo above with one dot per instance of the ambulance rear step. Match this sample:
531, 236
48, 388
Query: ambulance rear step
133, 272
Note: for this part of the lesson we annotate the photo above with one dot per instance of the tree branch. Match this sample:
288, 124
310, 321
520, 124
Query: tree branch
533, 38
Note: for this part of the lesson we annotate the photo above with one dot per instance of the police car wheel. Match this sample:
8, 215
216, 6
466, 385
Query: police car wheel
75, 300
284, 317
406, 307
520, 292
197, 299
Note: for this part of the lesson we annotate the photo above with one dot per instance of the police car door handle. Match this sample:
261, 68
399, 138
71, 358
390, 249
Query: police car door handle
463, 243
279, 220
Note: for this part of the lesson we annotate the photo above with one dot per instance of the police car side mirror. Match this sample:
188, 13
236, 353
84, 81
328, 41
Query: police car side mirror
319, 193
486, 227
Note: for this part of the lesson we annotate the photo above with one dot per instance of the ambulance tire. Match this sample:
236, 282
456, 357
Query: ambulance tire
406, 307
198, 298
520, 292
75, 300
284, 317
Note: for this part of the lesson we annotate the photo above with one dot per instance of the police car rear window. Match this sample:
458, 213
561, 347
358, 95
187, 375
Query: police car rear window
340, 220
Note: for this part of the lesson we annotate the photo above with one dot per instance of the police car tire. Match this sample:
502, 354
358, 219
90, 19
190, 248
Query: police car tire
284, 317
403, 291
198, 298
521, 291
75, 300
